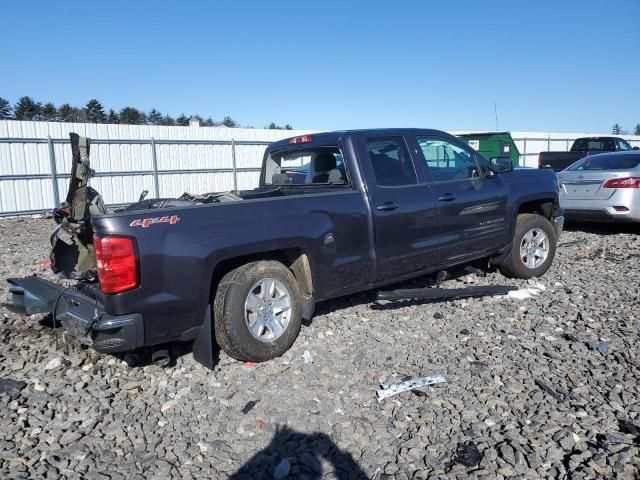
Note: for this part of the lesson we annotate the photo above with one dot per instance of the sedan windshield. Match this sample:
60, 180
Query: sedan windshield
607, 162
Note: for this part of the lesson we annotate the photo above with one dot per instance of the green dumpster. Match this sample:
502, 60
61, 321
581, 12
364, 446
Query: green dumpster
493, 144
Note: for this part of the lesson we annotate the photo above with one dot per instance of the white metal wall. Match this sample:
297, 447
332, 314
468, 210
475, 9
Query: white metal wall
25, 158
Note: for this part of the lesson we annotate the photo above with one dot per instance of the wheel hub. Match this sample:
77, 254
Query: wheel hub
268, 309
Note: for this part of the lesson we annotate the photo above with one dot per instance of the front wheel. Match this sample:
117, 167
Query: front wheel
257, 311
533, 248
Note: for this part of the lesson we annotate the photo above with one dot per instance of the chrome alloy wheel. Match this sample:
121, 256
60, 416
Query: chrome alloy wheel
534, 248
267, 309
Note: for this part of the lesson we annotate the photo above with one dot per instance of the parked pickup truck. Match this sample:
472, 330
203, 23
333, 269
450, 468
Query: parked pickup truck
582, 147
243, 268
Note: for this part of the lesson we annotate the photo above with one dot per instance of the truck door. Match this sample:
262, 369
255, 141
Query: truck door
471, 201
403, 208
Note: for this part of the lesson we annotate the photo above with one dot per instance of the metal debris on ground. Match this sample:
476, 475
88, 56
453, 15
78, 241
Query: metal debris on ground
445, 293
524, 293
390, 389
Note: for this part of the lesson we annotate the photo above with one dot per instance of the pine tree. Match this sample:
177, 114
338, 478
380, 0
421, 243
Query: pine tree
27, 109
6, 111
209, 123
182, 120
154, 117
617, 129
288, 127
65, 112
229, 122
273, 126
95, 111
167, 121
636, 131
112, 117
132, 116
49, 112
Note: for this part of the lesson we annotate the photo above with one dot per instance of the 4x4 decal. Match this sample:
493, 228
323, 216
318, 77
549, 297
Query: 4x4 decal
147, 222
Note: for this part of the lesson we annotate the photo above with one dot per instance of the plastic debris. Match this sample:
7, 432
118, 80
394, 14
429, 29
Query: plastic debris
249, 406
11, 387
390, 389
603, 348
307, 357
249, 364
468, 454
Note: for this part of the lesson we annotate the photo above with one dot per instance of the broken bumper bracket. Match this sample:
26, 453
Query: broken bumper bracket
78, 313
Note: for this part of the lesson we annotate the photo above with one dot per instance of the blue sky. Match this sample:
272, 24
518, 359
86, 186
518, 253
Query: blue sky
570, 65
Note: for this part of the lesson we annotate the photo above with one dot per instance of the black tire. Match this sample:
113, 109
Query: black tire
514, 266
231, 327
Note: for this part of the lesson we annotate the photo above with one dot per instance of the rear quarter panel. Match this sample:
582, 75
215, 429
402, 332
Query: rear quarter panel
177, 261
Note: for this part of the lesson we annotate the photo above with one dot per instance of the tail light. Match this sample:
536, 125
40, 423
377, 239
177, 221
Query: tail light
540, 161
627, 182
116, 262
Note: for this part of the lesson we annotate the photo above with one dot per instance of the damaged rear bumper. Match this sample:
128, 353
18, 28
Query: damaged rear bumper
79, 313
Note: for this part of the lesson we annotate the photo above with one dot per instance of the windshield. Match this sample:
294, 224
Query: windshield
606, 162
315, 166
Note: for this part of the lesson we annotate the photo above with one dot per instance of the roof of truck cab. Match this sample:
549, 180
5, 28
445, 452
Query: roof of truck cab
324, 138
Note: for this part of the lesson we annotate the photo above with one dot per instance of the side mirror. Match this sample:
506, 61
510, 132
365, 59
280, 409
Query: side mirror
500, 164
636, 148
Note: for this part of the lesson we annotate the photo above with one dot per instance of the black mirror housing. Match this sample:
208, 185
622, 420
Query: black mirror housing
501, 164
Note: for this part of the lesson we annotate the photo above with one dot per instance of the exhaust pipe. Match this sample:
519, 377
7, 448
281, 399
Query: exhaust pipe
161, 357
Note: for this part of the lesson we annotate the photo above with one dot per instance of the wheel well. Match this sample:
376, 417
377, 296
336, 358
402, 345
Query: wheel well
296, 259
542, 207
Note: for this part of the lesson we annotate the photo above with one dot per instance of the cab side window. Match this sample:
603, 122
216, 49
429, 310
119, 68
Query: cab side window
392, 165
447, 161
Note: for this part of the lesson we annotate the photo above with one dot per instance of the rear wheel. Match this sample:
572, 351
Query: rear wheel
533, 249
257, 311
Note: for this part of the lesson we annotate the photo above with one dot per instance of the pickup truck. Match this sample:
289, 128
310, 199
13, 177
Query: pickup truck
582, 147
244, 268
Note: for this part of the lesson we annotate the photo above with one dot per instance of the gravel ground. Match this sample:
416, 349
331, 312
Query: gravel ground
531, 391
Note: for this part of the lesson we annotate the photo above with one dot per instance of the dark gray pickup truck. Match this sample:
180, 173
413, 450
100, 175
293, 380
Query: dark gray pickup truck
243, 268
582, 147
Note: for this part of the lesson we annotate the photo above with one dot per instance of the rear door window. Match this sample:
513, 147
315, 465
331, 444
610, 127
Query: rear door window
606, 162
623, 146
392, 165
447, 161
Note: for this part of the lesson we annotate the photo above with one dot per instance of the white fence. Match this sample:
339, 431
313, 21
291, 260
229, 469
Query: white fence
35, 159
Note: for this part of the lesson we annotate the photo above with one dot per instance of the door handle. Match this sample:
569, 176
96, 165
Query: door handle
447, 197
387, 206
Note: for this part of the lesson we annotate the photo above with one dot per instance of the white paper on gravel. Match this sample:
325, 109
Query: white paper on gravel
528, 292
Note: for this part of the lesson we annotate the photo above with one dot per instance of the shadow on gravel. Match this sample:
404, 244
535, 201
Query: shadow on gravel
298, 455
603, 228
